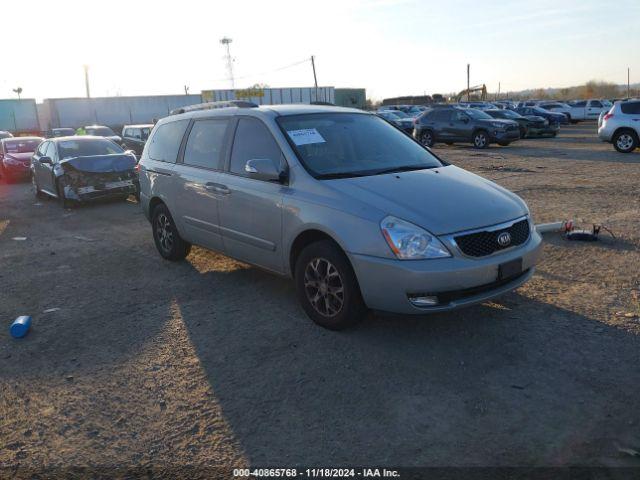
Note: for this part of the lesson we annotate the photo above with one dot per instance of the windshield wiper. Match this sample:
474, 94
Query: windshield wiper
330, 176
405, 168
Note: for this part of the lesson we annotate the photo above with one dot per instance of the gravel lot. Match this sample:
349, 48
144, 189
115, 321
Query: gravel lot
212, 363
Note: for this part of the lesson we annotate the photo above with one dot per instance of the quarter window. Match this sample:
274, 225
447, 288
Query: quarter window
205, 143
630, 108
252, 140
166, 141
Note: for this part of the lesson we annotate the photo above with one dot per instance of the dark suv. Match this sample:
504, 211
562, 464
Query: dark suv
135, 136
454, 124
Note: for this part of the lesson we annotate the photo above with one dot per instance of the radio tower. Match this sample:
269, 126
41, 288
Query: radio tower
226, 41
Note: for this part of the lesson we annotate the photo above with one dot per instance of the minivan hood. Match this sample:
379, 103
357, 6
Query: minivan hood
442, 200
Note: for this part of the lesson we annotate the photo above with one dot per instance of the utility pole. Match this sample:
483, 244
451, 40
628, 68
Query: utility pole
315, 79
498, 97
86, 80
628, 84
468, 84
226, 41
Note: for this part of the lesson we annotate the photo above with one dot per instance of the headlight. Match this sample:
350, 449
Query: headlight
410, 242
498, 125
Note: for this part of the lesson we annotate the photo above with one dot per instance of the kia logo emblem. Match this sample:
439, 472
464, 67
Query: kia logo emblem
504, 239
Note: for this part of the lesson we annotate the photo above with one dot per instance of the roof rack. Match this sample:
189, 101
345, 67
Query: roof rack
213, 105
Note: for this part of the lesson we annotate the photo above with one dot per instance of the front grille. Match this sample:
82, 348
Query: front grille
481, 244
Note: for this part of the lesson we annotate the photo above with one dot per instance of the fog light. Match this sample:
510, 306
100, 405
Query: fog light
423, 300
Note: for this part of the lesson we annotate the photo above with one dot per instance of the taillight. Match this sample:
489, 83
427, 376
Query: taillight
608, 116
137, 168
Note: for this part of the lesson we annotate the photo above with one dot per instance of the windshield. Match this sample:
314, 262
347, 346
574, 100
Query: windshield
22, 146
63, 132
539, 110
87, 148
477, 114
389, 115
100, 131
334, 145
510, 114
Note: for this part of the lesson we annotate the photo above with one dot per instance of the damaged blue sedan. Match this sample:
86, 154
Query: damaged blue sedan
81, 168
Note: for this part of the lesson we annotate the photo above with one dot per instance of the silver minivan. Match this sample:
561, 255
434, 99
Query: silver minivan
360, 215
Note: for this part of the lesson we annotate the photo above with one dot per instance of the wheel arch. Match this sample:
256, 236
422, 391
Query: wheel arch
306, 238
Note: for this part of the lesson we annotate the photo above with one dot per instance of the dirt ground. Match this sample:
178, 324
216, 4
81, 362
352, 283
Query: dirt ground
211, 363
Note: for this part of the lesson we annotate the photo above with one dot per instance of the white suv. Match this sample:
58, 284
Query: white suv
621, 126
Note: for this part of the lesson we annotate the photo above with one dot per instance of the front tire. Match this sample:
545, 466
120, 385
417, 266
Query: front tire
625, 141
426, 138
523, 132
39, 193
168, 241
327, 287
480, 139
62, 199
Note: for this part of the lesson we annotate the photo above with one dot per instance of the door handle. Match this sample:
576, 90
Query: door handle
218, 188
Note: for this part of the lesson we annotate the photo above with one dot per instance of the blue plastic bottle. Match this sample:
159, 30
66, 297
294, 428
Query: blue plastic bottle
20, 326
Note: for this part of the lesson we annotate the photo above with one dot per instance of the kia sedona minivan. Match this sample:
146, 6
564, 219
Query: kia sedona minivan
359, 214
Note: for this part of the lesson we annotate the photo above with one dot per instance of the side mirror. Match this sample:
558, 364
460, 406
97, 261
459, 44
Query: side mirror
264, 169
46, 160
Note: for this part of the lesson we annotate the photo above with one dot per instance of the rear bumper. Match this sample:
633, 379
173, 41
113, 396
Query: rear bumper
605, 134
17, 171
386, 284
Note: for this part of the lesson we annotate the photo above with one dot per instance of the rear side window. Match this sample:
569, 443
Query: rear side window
580, 104
596, 103
630, 108
253, 140
166, 141
205, 143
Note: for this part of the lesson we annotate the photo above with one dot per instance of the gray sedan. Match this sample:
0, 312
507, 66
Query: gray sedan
359, 214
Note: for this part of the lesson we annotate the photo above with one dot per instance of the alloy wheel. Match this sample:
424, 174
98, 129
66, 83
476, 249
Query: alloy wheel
480, 140
427, 139
624, 141
324, 287
164, 232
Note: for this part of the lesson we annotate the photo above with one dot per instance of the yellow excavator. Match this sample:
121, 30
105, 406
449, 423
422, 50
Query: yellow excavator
467, 92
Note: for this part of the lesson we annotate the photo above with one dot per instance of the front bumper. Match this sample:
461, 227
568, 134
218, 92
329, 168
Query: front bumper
111, 189
387, 283
505, 135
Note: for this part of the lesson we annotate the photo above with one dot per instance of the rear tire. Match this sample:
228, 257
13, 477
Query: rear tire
503, 144
168, 241
327, 287
426, 138
480, 139
625, 141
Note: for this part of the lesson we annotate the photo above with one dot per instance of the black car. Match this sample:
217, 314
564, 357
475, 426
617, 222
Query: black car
60, 132
399, 119
80, 168
453, 124
135, 136
531, 125
555, 119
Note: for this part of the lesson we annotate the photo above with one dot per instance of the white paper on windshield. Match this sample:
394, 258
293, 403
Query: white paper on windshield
305, 136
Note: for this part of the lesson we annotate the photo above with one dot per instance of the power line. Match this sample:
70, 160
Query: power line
306, 60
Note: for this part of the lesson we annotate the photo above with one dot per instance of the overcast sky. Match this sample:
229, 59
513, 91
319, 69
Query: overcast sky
390, 47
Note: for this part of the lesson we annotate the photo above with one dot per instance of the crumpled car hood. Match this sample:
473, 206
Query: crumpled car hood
101, 163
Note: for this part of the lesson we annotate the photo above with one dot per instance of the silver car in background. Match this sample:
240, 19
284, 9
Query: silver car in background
621, 126
358, 213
